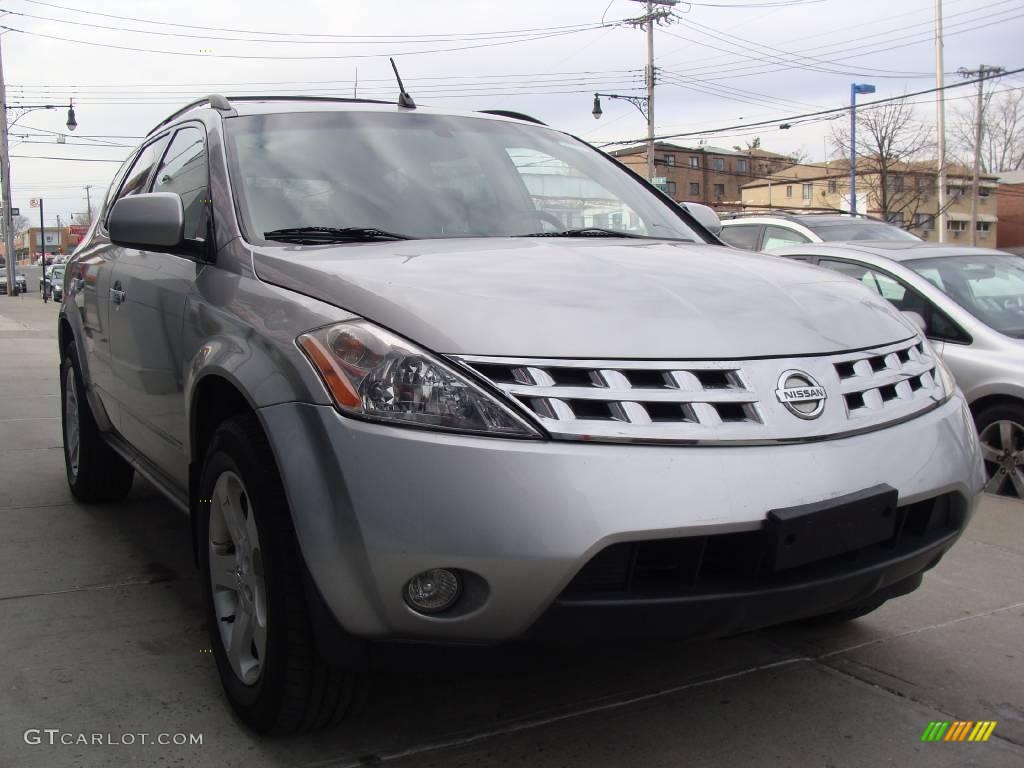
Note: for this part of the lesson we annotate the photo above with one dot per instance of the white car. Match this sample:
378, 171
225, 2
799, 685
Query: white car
772, 231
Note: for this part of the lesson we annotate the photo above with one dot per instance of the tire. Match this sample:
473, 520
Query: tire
1001, 432
96, 472
278, 683
844, 615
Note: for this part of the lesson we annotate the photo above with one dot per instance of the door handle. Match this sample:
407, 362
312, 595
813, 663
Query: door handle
117, 296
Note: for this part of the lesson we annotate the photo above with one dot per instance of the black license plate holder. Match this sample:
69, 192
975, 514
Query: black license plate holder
809, 532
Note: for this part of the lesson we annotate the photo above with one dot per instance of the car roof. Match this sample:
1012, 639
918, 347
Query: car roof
897, 250
235, 106
797, 218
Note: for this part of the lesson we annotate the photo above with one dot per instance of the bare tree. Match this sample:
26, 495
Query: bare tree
891, 142
1002, 142
20, 224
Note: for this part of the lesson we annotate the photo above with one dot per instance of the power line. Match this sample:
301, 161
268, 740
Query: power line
343, 82
341, 38
846, 28
836, 110
69, 159
886, 45
296, 58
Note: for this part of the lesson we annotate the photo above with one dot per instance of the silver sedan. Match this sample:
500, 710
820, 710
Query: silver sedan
970, 302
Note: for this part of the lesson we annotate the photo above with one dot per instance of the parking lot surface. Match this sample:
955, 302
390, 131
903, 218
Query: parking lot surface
101, 633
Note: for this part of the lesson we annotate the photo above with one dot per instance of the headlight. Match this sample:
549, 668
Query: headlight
943, 376
373, 374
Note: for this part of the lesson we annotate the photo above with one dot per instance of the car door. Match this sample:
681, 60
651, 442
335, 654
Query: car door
92, 275
151, 290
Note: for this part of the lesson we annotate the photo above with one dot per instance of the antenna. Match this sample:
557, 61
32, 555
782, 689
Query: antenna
404, 99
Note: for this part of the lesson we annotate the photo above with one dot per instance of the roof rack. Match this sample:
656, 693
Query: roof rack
513, 115
223, 104
215, 100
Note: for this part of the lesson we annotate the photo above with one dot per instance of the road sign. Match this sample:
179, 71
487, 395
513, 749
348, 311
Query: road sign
15, 211
34, 202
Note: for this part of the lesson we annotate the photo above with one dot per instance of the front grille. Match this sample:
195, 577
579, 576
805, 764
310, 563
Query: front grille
712, 401
870, 380
731, 563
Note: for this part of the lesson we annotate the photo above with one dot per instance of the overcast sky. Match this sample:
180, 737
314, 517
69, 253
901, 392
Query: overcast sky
718, 66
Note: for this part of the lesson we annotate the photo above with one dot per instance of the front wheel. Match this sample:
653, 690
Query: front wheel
95, 471
256, 610
1001, 433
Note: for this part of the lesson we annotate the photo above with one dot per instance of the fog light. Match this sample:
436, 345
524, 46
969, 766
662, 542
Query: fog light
433, 591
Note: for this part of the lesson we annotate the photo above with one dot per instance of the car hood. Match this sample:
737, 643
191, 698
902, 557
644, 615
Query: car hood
598, 298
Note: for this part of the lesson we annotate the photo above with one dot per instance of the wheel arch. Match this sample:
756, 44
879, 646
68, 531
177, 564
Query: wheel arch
983, 403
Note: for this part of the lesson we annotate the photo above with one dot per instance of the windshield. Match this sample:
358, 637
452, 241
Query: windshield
990, 287
857, 229
436, 176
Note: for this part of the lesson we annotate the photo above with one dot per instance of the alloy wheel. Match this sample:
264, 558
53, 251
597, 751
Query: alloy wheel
237, 578
72, 434
1002, 447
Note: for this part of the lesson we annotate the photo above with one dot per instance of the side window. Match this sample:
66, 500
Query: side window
184, 172
116, 183
777, 237
135, 181
937, 324
742, 236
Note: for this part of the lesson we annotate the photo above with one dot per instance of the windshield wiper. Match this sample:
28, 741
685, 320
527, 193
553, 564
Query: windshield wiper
319, 235
584, 232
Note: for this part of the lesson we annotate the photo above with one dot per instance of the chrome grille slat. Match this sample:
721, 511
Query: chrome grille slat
701, 401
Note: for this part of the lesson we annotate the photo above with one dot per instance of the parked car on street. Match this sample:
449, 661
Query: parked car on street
56, 281
971, 304
21, 284
462, 378
49, 273
768, 232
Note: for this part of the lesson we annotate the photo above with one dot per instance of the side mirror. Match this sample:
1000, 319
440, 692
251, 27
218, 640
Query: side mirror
705, 216
153, 221
916, 319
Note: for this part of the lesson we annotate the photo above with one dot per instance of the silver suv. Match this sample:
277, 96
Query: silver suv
463, 378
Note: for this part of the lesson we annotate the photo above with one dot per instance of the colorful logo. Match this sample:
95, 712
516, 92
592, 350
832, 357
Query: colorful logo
959, 730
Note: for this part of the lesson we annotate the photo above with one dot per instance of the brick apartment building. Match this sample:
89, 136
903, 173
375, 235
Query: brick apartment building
703, 174
910, 195
1011, 210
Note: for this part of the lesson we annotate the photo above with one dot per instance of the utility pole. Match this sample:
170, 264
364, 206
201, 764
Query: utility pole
648, 22
982, 72
650, 89
5, 172
940, 123
88, 202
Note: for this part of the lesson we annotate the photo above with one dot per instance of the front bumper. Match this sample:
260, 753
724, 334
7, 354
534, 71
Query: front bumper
374, 505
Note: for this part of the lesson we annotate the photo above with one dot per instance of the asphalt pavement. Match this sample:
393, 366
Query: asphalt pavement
102, 641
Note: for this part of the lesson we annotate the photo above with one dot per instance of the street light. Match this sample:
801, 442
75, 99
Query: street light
855, 88
643, 104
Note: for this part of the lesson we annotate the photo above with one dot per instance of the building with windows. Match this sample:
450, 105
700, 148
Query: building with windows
907, 196
710, 175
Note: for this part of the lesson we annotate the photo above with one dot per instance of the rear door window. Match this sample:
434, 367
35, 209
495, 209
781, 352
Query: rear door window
778, 237
746, 236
